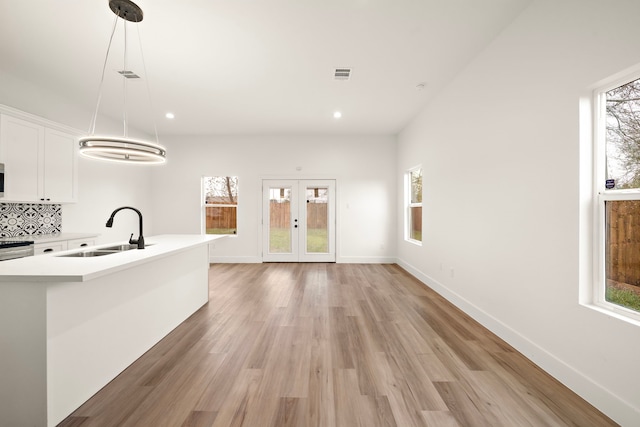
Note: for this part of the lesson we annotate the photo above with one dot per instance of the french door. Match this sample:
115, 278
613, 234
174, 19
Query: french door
298, 220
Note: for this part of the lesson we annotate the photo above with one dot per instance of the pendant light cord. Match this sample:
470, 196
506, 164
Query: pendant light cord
124, 81
122, 149
144, 69
92, 126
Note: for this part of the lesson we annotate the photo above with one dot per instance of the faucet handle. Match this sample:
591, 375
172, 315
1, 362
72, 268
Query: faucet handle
132, 241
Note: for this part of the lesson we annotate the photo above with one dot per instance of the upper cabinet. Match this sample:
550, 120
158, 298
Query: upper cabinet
59, 183
40, 162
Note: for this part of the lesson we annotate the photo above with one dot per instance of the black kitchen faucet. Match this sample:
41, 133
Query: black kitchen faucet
140, 240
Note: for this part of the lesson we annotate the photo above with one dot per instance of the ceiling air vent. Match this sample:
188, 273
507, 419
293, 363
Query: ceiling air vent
342, 74
128, 74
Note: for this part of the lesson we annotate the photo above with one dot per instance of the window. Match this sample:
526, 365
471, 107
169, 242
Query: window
413, 229
618, 188
220, 211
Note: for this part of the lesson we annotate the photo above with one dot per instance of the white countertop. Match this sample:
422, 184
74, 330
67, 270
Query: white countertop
56, 268
48, 238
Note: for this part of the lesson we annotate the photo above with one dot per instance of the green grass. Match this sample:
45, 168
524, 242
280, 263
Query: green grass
623, 297
221, 231
416, 235
279, 241
316, 241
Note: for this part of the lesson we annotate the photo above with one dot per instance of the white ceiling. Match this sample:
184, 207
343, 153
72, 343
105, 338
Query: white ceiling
253, 66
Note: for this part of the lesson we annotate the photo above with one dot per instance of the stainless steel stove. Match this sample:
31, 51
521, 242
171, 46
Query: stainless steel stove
12, 249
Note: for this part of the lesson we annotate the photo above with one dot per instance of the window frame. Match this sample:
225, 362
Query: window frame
409, 205
205, 205
602, 195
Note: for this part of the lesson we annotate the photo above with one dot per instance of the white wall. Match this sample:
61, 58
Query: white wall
102, 188
364, 168
41, 101
500, 150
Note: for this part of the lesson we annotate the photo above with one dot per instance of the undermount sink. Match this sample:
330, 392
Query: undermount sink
86, 254
120, 248
102, 251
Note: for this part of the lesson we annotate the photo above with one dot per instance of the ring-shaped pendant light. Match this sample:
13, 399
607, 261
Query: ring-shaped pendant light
121, 149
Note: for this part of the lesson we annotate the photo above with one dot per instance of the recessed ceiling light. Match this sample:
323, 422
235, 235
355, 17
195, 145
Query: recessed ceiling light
337, 115
170, 116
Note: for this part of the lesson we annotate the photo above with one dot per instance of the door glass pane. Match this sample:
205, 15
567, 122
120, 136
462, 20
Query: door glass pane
623, 253
317, 215
280, 220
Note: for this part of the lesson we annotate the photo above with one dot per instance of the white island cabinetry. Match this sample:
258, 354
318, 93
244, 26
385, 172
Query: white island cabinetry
69, 325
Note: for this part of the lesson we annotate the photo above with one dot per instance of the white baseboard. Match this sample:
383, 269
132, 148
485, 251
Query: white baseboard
608, 403
365, 260
339, 260
235, 259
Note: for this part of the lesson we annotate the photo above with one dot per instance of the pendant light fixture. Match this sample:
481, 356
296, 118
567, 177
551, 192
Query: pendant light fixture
122, 148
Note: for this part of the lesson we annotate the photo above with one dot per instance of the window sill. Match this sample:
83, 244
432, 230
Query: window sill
414, 242
615, 313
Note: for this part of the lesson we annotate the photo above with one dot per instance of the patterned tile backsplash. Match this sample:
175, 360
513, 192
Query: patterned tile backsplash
23, 219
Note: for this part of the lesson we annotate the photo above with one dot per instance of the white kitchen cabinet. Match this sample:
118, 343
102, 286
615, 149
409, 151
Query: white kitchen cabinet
20, 143
59, 167
46, 248
62, 244
79, 243
40, 162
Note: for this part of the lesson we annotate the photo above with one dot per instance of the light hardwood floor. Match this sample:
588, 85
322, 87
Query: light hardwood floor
331, 345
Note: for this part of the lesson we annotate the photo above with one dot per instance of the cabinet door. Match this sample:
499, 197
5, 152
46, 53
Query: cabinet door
59, 167
20, 143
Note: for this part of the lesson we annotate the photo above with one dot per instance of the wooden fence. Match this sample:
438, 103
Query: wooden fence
221, 217
623, 254
280, 214
416, 219
225, 217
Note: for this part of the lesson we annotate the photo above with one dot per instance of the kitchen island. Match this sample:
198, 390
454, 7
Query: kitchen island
69, 325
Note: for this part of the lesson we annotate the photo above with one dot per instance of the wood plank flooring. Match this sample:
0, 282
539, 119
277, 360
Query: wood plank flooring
331, 345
